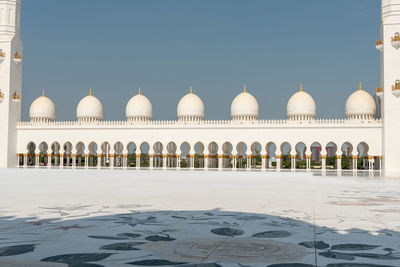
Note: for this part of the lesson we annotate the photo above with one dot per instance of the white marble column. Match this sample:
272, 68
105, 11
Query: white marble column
178, 161
137, 161
73, 160
293, 162
248, 162
191, 161
48, 161
206, 161
220, 161
323, 162
61, 160
99, 159
25, 160
354, 158
339, 163
234, 162
151, 159
164, 161
278, 162
263, 162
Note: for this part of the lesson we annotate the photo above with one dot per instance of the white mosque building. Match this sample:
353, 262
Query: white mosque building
361, 141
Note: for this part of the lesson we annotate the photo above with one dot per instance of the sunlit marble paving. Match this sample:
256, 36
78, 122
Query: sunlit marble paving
188, 218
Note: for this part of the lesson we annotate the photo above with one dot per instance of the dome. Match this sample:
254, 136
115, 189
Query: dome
190, 108
301, 106
89, 109
360, 105
139, 108
244, 106
42, 110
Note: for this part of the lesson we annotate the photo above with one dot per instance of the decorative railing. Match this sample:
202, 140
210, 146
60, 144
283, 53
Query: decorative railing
205, 124
379, 42
379, 89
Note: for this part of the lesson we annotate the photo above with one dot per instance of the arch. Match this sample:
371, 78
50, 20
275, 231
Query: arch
185, 155
255, 159
118, 154
144, 155
362, 161
199, 155
286, 162
131, 148
270, 149
43, 158
158, 154
80, 154
316, 155
55, 154
31, 149
105, 154
67, 160
227, 155
347, 153
301, 149
241, 161
171, 155
92, 157
212, 155
331, 160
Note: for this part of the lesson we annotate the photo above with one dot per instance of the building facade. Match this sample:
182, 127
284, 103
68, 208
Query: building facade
361, 141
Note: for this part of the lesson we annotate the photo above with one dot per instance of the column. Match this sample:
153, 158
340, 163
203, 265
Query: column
124, 161
234, 162
61, 160
25, 160
380, 162
151, 163
37, 155
48, 161
278, 162
354, 162
293, 162
191, 160
220, 158
86, 159
178, 161
18, 160
99, 159
263, 162
308, 162
112, 161
371, 162
137, 161
323, 162
206, 161
248, 162
339, 163
164, 161
73, 160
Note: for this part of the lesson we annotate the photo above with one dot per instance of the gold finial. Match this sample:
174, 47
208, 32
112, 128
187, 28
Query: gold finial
191, 90
43, 92
244, 88
360, 87
140, 92
301, 87
90, 91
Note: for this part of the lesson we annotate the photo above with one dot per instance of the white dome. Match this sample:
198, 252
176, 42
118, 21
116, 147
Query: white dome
139, 108
42, 109
360, 105
244, 107
301, 106
190, 108
89, 109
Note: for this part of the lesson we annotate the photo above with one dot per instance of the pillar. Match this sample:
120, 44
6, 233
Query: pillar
263, 162
206, 161
323, 162
354, 158
25, 160
137, 161
151, 163
99, 159
380, 162
220, 159
178, 161
278, 162
191, 161
61, 160
371, 162
308, 162
293, 162
86, 161
164, 161
49, 161
112, 161
248, 162
124, 161
234, 162
73, 160
339, 163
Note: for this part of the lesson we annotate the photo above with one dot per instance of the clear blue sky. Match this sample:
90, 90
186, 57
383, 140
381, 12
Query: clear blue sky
216, 46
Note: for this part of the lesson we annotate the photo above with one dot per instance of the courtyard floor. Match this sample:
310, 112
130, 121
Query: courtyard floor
89, 218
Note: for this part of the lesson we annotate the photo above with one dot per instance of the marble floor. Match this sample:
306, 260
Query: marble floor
83, 218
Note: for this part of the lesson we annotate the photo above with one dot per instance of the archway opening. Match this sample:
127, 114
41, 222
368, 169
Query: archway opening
199, 155
43, 156
185, 155
255, 160
92, 154
301, 156
131, 154
171, 159
241, 157
144, 154
347, 150
316, 155
227, 155
31, 160
286, 161
362, 160
331, 161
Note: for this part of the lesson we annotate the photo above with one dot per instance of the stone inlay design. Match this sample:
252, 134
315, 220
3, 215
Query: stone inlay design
315, 244
351, 247
291, 265
16, 250
155, 263
226, 231
79, 258
123, 246
356, 265
108, 237
130, 235
158, 238
231, 250
272, 234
